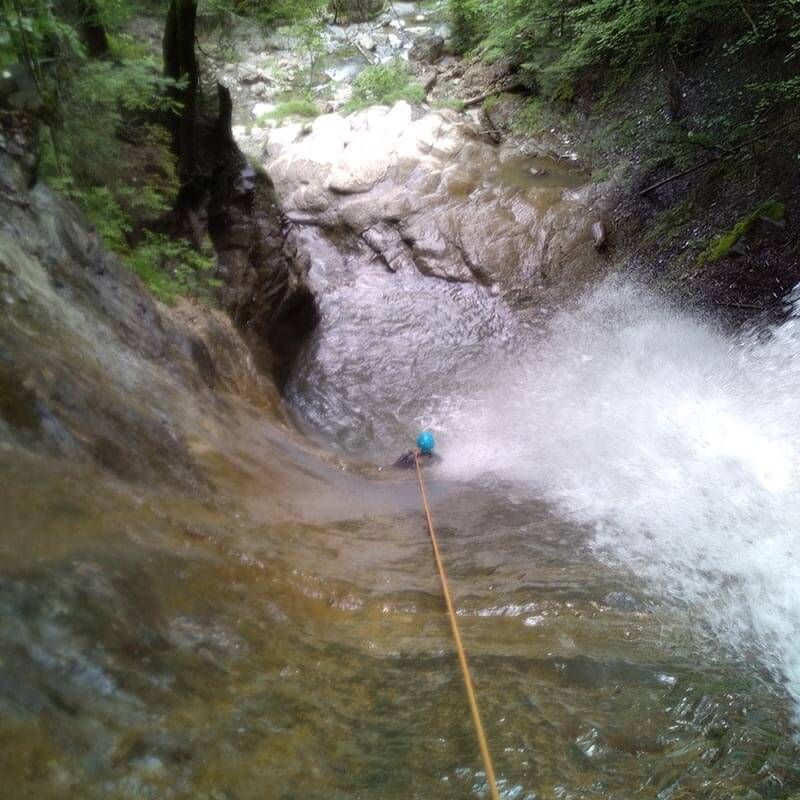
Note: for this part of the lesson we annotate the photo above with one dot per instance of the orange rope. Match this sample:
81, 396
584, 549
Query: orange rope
462, 656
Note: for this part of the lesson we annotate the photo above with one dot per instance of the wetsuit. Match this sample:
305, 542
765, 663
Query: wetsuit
406, 461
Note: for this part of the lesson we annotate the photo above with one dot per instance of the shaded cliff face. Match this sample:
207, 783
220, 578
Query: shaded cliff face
90, 367
265, 287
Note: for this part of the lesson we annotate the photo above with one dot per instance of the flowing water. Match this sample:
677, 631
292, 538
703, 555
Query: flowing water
614, 509
644, 463
617, 513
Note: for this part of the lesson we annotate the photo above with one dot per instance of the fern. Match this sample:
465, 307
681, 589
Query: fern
171, 268
559, 44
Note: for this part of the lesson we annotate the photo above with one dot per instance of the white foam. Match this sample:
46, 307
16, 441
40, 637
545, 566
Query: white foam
678, 443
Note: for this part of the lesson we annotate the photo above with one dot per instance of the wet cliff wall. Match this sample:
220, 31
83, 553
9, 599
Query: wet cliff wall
91, 367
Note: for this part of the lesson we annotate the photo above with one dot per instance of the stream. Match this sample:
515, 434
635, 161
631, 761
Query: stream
617, 511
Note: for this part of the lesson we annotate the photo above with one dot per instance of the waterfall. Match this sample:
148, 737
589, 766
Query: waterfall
678, 443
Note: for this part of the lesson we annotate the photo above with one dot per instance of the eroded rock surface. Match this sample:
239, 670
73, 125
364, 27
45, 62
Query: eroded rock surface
91, 367
265, 289
429, 191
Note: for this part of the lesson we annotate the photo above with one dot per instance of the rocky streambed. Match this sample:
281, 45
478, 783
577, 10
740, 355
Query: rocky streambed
415, 187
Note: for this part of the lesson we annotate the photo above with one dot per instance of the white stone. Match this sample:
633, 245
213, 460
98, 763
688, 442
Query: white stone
260, 109
379, 172
366, 41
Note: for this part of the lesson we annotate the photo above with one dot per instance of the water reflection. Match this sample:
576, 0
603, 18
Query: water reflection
158, 644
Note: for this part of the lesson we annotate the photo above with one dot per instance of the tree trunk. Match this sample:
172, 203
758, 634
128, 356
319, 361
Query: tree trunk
93, 32
180, 64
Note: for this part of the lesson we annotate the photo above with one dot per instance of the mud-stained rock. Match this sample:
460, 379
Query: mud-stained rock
428, 48
428, 191
501, 110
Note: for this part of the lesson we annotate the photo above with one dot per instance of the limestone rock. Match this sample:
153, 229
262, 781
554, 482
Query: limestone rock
366, 42
422, 191
600, 235
260, 109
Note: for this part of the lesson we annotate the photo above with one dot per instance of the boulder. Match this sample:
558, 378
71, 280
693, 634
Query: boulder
501, 111
420, 191
600, 235
366, 42
428, 48
426, 75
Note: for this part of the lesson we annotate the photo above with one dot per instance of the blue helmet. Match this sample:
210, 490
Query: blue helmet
426, 442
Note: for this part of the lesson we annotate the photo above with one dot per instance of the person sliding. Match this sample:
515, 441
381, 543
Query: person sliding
423, 451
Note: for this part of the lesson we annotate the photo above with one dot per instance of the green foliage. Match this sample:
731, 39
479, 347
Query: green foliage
560, 46
32, 30
470, 23
384, 84
103, 147
171, 268
125, 47
529, 117
105, 139
349, 11
491, 102
106, 214
311, 42
722, 245
452, 103
268, 15
293, 107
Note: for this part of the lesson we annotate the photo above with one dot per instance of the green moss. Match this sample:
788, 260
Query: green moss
452, 103
294, 107
670, 222
702, 138
722, 244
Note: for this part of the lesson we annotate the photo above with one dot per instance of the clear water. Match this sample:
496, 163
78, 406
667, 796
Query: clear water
672, 445
615, 510
539, 173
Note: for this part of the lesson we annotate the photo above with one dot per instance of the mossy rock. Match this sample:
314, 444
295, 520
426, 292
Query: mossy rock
720, 247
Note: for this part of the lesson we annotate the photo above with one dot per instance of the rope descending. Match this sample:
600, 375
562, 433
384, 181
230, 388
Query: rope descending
462, 657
